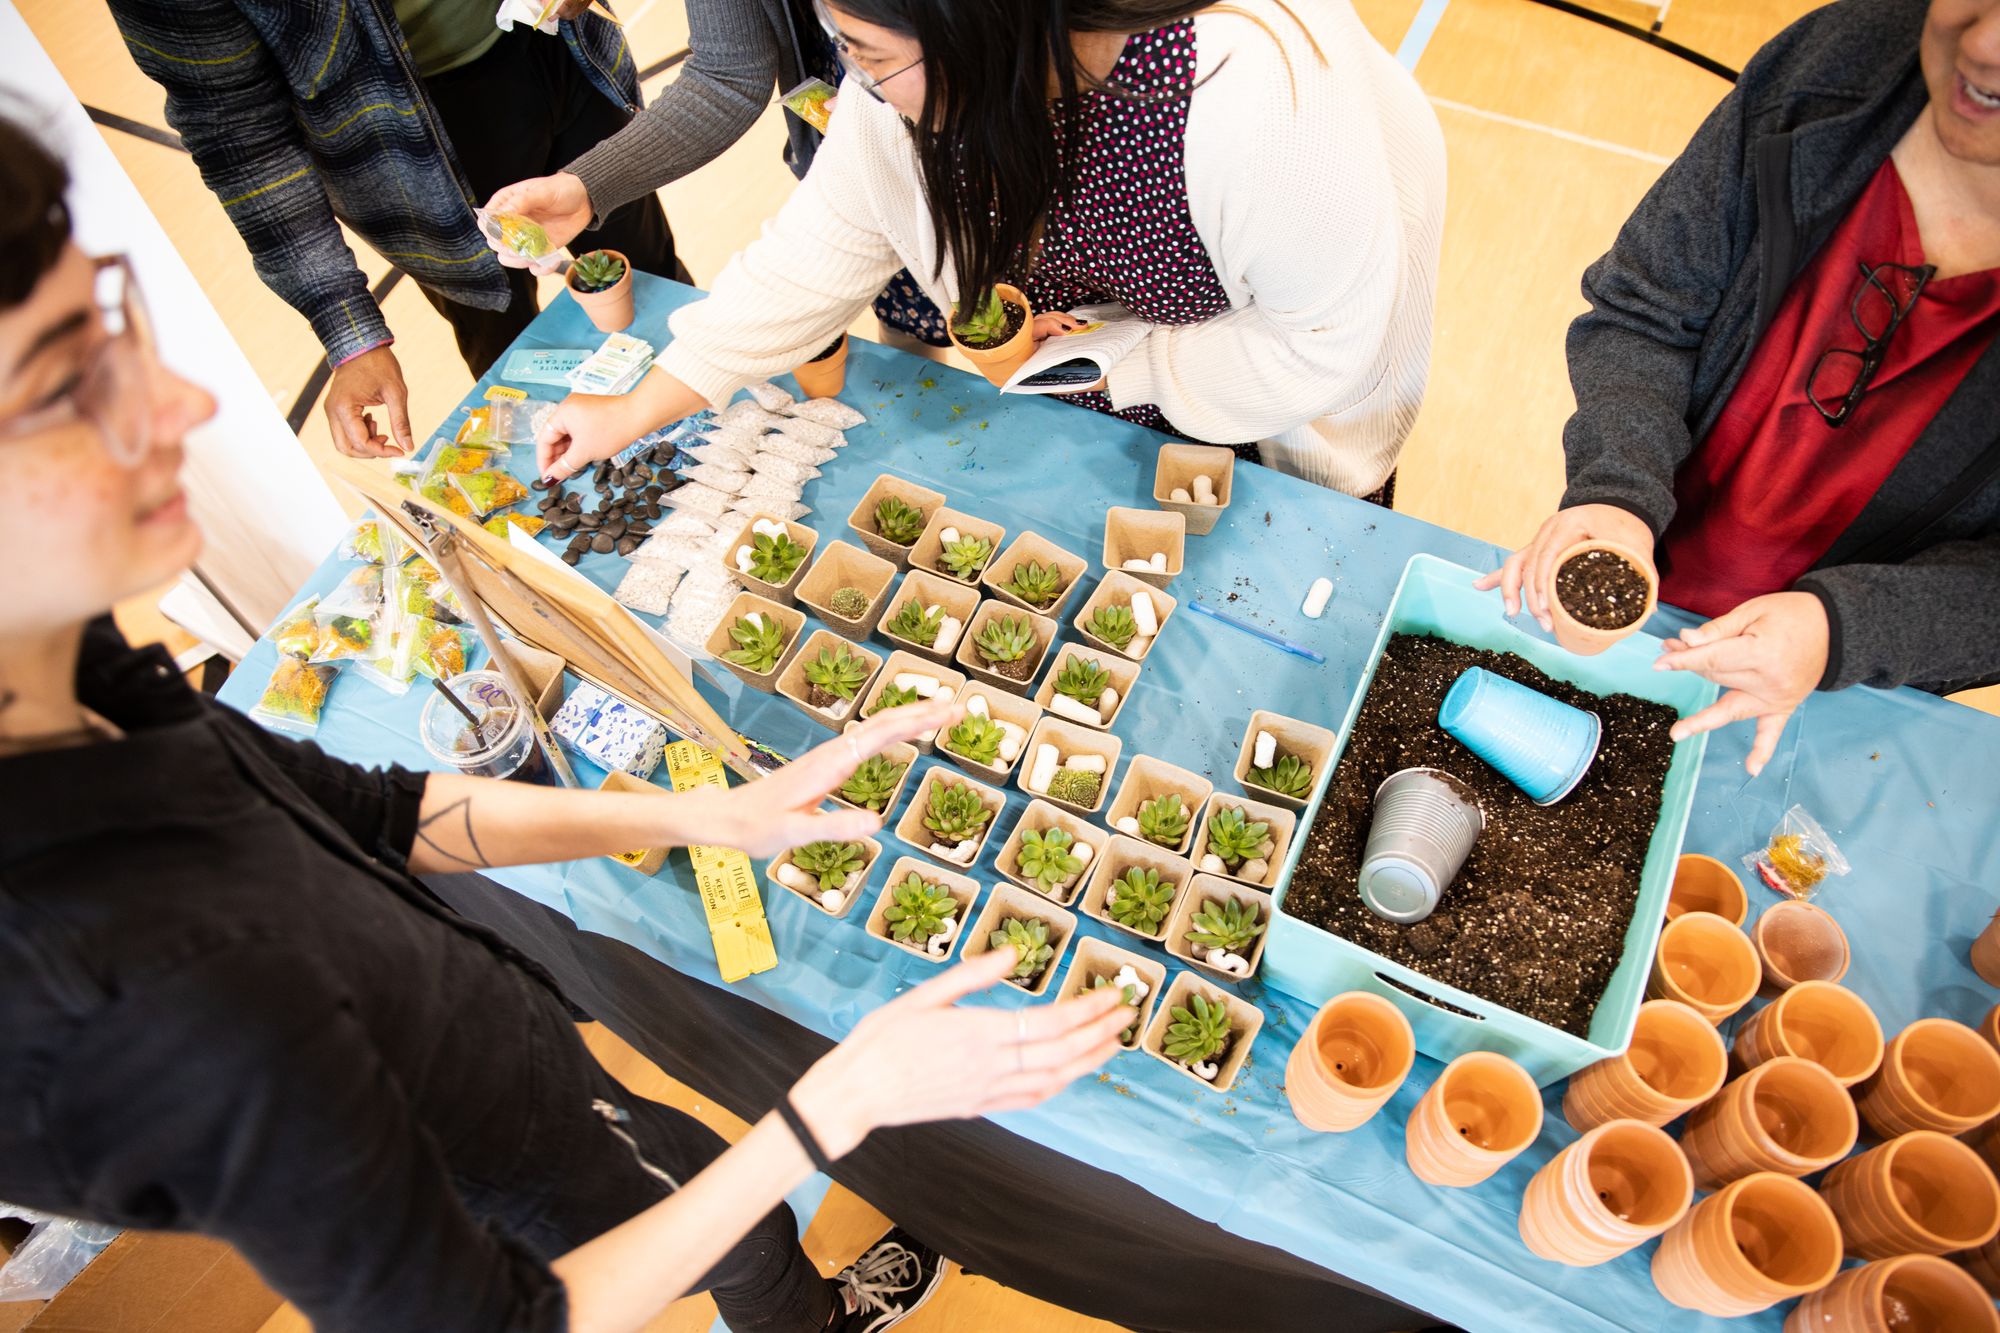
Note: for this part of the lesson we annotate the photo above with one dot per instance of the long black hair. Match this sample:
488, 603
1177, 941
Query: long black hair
987, 138
34, 222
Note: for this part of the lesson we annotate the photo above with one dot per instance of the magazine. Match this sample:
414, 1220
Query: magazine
1069, 362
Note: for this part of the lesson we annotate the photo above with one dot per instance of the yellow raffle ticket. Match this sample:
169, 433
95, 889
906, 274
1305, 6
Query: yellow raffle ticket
728, 887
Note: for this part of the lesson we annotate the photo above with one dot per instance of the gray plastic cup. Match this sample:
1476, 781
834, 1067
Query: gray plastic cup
1425, 823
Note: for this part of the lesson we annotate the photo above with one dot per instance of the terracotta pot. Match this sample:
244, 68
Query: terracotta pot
1356, 1052
1798, 942
1989, 1027
1817, 1021
1920, 1193
1901, 1295
1787, 1115
1674, 1063
1572, 633
1936, 1074
1615, 1188
1478, 1116
1986, 952
825, 375
997, 363
611, 309
1706, 964
1986, 1142
1983, 1264
1763, 1239
1704, 884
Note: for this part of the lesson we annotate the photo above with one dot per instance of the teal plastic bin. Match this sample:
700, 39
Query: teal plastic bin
1437, 597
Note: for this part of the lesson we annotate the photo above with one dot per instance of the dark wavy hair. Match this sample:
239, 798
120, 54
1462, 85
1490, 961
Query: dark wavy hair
34, 221
986, 141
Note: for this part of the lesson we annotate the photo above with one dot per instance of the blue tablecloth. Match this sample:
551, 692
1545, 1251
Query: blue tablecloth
1903, 781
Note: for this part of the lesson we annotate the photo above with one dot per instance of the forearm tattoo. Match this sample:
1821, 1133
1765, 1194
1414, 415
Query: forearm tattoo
454, 822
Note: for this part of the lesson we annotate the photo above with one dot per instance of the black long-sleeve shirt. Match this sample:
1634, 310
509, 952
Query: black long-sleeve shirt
228, 1009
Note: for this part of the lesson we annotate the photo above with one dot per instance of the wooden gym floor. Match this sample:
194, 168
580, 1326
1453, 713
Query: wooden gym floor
1555, 127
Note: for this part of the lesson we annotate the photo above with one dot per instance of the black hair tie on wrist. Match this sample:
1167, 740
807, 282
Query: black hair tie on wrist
796, 1123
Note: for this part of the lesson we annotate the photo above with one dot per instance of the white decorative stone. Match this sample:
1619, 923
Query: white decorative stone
1256, 870
743, 559
947, 535
1236, 965
976, 703
1206, 1070
1144, 619
1085, 763
769, 527
792, 877
1180, 496
1128, 825
1266, 752
1107, 702
1129, 976
1159, 562
1082, 851
1064, 706
1316, 598
1138, 566
948, 631
1204, 489
832, 899
925, 686
1211, 864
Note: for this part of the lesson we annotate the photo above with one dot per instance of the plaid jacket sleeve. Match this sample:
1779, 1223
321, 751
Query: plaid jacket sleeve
232, 107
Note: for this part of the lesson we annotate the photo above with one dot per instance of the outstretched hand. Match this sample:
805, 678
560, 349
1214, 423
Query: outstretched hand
1769, 654
560, 203
920, 1057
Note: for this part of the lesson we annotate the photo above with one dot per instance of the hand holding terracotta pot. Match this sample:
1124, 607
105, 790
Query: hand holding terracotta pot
996, 361
1598, 593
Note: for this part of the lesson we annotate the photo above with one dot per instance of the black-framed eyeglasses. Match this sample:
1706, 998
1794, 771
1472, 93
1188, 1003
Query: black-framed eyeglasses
868, 82
111, 392
1842, 375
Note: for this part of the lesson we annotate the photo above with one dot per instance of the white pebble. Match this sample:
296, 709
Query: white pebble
967, 848
1180, 496
1111, 895
946, 693
1265, 848
832, 899
1159, 562
1082, 851
1211, 864
1139, 566
940, 942
743, 559
1141, 644
948, 631
1204, 489
947, 535
933, 609
1064, 706
1256, 870
1043, 770
792, 877
755, 619
839, 709
1085, 763
1206, 1070
1316, 598
770, 527
948, 853
1010, 748
1236, 965
1128, 825
925, 686
1107, 701
1266, 752
1144, 618
1129, 976
976, 703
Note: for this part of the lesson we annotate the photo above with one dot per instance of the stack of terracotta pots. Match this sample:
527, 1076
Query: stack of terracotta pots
1707, 964
1919, 1193
1762, 1239
1936, 1074
1356, 1052
1482, 1111
1788, 1116
1913, 1291
1674, 1063
1817, 1021
1613, 1189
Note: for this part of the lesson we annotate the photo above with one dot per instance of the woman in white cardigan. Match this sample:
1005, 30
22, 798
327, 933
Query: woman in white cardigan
1257, 178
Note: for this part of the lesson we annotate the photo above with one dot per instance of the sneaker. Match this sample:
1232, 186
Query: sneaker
886, 1285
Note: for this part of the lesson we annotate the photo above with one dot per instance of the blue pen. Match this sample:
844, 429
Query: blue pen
1295, 649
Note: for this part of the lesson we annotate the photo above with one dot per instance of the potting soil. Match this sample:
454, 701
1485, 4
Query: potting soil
1601, 589
1536, 920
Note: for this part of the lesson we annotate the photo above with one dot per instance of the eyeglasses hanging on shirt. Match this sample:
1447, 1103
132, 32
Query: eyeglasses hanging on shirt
1843, 374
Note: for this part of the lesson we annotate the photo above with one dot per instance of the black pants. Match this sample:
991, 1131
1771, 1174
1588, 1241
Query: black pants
525, 109
585, 1179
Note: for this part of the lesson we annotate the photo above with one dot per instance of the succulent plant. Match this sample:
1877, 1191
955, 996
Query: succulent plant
596, 271
1030, 939
914, 623
1076, 786
1047, 858
1290, 776
1083, 679
1198, 1032
1114, 625
839, 671
1226, 924
848, 603
894, 696
774, 559
982, 325
1131, 998
1141, 901
1034, 583
831, 862
759, 643
965, 557
1234, 836
1164, 820
976, 738
898, 522
955, 812
1006, 639
872, 784
918, 909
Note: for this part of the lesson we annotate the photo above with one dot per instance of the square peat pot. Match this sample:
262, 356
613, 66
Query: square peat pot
1436, 597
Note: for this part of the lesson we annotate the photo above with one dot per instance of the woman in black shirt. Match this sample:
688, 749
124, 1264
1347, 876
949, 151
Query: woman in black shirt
230, 1009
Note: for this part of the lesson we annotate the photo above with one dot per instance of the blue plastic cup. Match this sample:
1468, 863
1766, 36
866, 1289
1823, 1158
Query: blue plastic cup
1425, 823
1541, 745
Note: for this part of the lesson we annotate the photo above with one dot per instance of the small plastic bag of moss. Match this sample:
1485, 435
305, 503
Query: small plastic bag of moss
295, 696
1799, 856
296, 635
